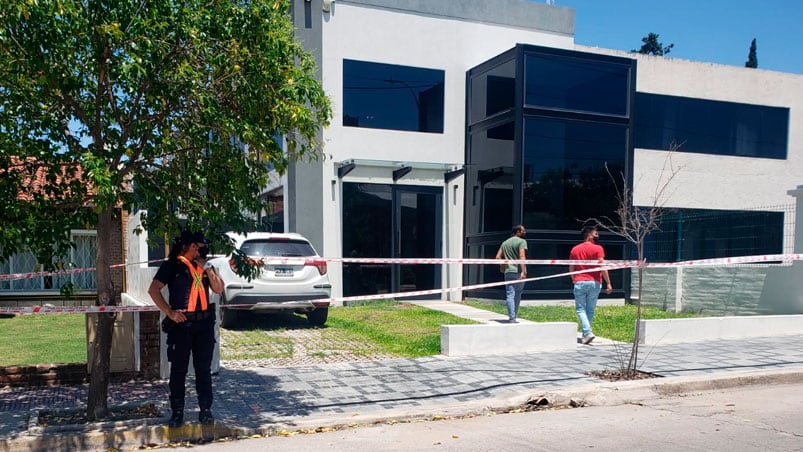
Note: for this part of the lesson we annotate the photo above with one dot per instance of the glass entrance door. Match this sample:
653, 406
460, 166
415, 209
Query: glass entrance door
417, 235
388, 221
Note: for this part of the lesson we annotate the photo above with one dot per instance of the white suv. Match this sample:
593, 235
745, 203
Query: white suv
284, 284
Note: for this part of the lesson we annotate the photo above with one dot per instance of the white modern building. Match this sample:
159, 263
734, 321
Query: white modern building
454, 120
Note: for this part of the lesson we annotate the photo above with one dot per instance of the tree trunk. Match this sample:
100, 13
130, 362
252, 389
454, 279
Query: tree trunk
97, 400
632, 366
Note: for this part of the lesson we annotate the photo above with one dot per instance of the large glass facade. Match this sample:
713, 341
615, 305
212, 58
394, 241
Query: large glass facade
548, 137
389, 96
569, 171
710, 127
576, 83
493, 91
491, 179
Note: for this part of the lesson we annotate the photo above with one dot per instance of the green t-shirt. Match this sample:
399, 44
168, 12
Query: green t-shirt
510, 250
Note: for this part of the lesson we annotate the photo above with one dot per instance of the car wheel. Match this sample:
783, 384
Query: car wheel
228, 317
317, 317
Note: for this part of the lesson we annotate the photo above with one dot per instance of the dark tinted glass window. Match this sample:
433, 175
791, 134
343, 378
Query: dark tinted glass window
388, 96
367, 226
492, 91
277, 248
565, 179
570, 83
491, 180
687, 234
710, 127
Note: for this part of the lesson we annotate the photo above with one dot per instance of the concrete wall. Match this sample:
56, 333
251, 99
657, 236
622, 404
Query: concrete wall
722, 291
708, 290
495, 339
669, 331
138, 274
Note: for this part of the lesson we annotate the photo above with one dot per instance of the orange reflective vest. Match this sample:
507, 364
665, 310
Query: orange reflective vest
197, 289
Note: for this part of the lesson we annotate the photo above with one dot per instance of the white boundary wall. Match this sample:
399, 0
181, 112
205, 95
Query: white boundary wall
669, 331
495, 339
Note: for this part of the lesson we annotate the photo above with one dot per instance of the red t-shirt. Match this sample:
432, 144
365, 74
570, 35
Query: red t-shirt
587, 251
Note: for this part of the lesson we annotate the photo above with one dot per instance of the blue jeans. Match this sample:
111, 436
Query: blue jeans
586, 294
513, 294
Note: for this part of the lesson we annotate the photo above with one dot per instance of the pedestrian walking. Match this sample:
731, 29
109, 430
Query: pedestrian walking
514, 248
587, 286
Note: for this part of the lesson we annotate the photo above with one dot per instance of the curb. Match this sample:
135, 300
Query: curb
626, 392
133, 436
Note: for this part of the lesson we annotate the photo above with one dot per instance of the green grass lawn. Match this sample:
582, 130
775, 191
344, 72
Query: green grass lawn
43, 339
389, 327
613, 322
398, 328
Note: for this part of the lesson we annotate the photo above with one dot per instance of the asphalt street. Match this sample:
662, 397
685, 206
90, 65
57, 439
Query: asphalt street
751, 418
292, 400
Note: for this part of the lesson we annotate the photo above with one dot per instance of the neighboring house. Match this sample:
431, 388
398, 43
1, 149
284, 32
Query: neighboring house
455, 120
41, 289
136, 334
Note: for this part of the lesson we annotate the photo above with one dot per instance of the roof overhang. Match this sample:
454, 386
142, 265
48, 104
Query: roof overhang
399, 169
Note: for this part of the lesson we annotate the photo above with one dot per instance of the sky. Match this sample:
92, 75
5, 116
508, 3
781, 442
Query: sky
715, 31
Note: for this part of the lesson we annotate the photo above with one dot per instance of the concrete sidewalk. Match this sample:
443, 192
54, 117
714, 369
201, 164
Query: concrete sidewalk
271, 400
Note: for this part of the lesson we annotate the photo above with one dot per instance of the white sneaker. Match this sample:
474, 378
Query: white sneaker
587, 339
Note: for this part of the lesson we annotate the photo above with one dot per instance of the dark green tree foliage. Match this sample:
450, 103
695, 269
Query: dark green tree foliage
651, 46
752, 59
171, 106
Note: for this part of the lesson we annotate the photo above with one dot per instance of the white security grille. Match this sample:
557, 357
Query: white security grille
83, 255
5, 268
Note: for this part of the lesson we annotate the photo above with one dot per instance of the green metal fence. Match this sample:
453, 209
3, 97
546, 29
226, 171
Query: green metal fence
691, 234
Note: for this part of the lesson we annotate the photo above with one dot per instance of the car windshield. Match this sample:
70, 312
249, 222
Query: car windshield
277, 248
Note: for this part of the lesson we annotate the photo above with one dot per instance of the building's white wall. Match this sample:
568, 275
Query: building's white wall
714, 181
385, 36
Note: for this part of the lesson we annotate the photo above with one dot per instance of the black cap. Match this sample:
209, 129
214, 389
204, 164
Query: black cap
188, 238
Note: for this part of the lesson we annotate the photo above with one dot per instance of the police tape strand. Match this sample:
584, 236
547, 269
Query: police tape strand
72, 271
460, 261
608, 265
318, 260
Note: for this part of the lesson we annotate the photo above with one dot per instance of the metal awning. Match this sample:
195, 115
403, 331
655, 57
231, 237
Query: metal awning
400, 169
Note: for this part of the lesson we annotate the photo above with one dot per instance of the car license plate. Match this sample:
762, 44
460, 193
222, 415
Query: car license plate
283, 272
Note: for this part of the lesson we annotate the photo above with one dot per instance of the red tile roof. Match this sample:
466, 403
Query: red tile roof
36, 178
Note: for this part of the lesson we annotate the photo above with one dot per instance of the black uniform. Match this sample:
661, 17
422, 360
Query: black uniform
196, 336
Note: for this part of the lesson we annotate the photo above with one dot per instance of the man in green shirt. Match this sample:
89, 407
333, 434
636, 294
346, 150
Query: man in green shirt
514, 248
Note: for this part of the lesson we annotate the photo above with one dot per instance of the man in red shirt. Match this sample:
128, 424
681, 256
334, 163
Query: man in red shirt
587, 285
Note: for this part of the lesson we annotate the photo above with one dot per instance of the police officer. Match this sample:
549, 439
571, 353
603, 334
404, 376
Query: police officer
190, 320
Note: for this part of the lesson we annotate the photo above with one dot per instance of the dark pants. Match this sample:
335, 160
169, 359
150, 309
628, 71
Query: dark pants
198, 338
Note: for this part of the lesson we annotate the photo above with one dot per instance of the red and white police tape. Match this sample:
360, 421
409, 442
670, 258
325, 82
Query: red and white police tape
384, 296
447, 261
72, 271
607, 265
